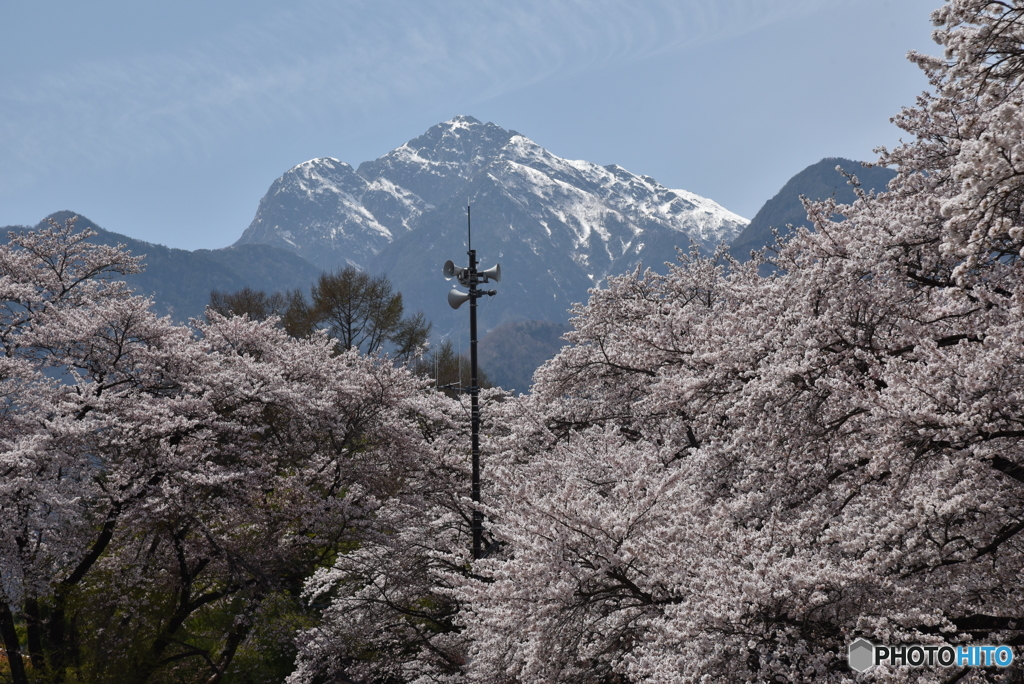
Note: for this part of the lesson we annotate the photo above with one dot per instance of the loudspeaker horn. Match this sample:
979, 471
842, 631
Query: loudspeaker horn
451, 270
456, 298
493, 273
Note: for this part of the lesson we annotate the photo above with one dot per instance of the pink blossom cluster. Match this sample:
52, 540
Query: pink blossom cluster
730, 477
723, 476
164, 487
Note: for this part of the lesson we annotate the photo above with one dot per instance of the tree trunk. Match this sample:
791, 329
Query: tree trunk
12, 645
34, 627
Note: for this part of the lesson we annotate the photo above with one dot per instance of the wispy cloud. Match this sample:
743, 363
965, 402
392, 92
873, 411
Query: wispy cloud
318, 61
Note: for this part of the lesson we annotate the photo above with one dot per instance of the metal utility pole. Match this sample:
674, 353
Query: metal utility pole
471, 278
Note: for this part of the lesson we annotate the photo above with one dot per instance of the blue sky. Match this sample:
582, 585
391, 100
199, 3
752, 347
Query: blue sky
168, 121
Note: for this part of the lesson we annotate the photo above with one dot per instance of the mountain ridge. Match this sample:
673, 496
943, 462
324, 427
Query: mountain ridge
818, 181
571, 222
180, 281
534, 296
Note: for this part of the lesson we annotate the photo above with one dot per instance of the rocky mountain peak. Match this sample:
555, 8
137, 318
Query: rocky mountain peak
560, 225
435, 164
315, 209
324, 174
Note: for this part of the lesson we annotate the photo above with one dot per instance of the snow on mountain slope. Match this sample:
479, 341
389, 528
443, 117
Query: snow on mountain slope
326, 212
436, 164
619, 206
566, 225
558, 227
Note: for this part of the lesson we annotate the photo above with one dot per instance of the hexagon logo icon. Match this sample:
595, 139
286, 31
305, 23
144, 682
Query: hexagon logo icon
861, 655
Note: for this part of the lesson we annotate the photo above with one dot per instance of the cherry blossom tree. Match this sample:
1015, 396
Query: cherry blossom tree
391, 610
389, 614
165, 490
730, 478
724, 477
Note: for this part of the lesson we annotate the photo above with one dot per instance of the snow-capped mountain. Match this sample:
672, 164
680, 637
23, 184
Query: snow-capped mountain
326, 212
437, 164
604, 216
558, 226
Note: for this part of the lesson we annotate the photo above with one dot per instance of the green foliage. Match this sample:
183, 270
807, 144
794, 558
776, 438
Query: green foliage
255, 304
297, 317
268, 654
363, 311
357, 310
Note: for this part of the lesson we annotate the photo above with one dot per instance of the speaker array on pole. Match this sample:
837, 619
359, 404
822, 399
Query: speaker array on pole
471, 278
